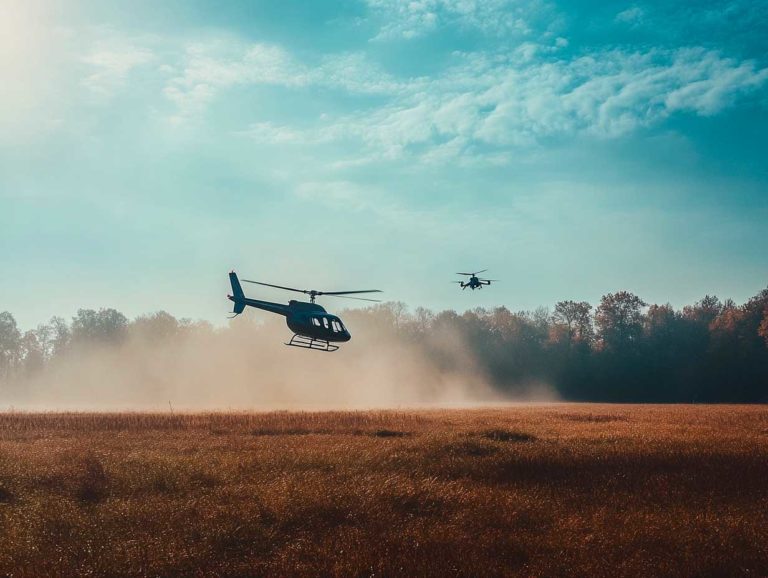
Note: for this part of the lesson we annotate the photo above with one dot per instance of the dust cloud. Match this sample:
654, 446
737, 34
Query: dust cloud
246, 366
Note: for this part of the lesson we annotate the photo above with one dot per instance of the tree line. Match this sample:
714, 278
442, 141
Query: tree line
622, 350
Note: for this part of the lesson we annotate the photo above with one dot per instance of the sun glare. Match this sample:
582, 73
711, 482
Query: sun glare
27, 37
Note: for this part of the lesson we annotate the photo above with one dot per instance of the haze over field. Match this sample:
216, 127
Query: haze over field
624, 351
248, 367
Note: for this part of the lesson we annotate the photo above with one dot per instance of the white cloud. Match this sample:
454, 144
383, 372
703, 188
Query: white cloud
720, 82
483, 105
355, 73
514, 102
271, 133
489, 104
113, 63
414, 18
209, 68
632, 15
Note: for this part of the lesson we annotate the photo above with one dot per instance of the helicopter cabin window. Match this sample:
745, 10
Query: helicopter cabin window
336, 326
325, 322
316, 321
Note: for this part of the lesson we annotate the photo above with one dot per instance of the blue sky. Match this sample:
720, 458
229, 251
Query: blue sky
572, 148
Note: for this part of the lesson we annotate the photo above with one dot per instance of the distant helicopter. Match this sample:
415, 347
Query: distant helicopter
474, 282
313, 327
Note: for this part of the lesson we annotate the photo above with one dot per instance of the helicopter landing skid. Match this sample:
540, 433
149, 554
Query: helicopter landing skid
311, 343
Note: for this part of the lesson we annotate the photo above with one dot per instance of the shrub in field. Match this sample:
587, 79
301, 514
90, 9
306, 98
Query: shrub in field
6, 496
389, 433
505, 435
93, 481
594, 418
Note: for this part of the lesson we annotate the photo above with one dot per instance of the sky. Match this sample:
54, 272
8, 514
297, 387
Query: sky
571, 148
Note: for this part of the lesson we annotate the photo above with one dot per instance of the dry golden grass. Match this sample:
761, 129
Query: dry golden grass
558, 490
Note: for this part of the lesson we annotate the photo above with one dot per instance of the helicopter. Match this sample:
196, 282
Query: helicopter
313, 327
474, 282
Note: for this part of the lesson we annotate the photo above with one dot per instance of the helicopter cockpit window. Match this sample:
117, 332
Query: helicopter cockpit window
325, 322
315, 321
336, 326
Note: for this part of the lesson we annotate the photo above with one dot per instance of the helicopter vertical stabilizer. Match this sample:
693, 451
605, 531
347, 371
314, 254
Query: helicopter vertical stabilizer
238, 297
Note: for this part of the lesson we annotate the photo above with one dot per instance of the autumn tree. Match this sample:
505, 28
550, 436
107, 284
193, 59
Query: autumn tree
102, 326
704, 311
619, 319
159, 326
576, 318
10, 343
33, 352
763, 329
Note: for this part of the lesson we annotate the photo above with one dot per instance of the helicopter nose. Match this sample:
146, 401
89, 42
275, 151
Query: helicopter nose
346, 336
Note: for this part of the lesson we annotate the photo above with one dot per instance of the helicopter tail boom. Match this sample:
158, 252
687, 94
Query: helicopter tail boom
241, 301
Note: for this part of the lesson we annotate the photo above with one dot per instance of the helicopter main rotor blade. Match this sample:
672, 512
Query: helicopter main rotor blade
356, 298
348, 292
494, 280
275, 286
319, 293
473, 274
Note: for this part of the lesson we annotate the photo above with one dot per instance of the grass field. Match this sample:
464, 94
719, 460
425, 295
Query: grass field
551, 490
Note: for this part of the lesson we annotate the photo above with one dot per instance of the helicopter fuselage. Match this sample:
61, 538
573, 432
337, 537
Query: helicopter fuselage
307, 319
312, 320
475, 283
